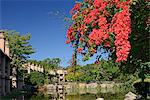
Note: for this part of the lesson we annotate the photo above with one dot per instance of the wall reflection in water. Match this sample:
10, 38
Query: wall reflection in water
73, 94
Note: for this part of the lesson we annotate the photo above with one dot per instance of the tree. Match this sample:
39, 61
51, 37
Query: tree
120, 27
74, 73
50, 64
101, 24
105, 70
140, 39
110, 70
36, 78
19, 46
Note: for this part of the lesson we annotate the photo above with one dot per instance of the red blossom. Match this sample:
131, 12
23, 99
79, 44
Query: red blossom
81, 39
79, 50
121, 26
96, 23
100, 4
77, 6
67, 41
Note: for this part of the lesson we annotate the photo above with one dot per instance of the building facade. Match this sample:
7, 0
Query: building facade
5, 79
33, 67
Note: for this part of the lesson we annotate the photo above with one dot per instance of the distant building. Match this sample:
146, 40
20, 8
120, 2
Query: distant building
33, 67
61, 76
5, 79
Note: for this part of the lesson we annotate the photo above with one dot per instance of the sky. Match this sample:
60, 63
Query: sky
43, 19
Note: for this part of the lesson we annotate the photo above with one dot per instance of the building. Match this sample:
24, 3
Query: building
33, 67
5, 79
61, 76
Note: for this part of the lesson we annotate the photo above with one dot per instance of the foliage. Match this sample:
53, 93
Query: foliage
140, 38
107, 24
51, 63
39, 96
141, 87
74, 73
105, 70
19, 46
100, 24
140, 31
110, 69
48, 64
36, 78
144, 71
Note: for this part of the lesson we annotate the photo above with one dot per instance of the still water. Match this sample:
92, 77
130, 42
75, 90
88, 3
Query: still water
76, 95
87, 96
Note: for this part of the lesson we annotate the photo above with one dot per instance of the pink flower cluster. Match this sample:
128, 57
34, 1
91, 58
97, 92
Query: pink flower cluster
94, 23
121, 27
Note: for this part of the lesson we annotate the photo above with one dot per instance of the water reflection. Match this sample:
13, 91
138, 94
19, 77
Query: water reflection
87, 96
72, 94
82, 94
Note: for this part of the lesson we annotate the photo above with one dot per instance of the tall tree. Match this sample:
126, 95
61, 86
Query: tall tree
120, 27
19, 46
50, 64
36, 78
95, 27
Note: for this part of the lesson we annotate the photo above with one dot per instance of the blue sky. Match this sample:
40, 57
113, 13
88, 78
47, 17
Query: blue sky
44, 20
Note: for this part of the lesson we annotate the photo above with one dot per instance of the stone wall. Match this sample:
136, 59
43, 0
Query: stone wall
94, 88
